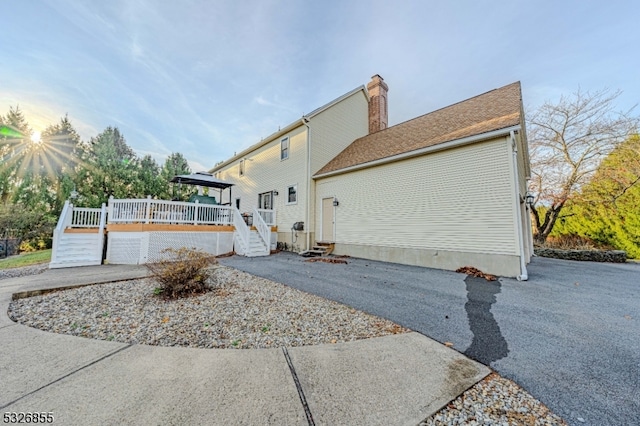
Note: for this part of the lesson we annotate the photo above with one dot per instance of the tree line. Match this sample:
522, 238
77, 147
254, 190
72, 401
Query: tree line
585, 162
37, 175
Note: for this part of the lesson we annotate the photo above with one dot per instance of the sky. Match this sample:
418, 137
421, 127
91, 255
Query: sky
207, 78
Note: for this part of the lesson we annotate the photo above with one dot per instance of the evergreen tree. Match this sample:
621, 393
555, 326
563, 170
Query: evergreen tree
149, 179
606, 210
175, 165
109, 167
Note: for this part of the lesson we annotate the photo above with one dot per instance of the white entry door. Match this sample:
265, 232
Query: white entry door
328, 220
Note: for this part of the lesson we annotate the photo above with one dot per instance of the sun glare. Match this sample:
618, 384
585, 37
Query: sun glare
36, 137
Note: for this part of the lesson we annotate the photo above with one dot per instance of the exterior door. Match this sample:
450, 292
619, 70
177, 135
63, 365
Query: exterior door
327, 220
265, 200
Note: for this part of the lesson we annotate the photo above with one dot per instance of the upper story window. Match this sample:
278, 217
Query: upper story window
284, 149
241, 168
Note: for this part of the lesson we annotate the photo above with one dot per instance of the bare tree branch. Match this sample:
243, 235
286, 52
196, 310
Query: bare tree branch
568, 140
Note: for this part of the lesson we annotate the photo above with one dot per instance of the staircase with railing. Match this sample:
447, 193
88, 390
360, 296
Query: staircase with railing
83, 247
248, 242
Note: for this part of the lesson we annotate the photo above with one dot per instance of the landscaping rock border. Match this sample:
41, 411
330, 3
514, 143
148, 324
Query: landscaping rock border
612, 256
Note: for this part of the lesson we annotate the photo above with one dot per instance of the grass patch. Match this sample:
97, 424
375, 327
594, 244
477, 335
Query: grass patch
26, 259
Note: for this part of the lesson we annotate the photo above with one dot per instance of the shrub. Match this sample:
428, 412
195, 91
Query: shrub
574, 242
182, 272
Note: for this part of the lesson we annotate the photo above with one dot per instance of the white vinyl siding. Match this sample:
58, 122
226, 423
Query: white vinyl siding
332, 131
337, 127
265, 172
459, 200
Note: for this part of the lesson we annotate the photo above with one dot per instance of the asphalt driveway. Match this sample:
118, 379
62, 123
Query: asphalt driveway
570, 335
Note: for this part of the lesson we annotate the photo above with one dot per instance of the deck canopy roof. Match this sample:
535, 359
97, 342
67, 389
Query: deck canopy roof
202, 179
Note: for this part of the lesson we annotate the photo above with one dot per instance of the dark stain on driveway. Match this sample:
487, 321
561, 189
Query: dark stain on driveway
488, 344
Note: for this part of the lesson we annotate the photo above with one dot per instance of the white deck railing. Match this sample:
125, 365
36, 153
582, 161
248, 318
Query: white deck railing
168, 212
84, 217
263, 229
242, 232
269, 216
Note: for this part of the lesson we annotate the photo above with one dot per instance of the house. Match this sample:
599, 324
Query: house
445, 190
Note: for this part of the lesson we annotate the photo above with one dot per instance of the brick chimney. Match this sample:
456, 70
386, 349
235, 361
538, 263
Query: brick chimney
378, 115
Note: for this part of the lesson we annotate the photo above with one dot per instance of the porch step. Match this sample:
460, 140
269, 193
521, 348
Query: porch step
320, 249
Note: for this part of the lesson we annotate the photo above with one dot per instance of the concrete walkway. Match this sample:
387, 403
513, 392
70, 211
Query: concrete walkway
569, 335
392, 380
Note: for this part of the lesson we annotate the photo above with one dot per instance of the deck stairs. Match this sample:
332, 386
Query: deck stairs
78, 238
257, 246
320, 249
78, 250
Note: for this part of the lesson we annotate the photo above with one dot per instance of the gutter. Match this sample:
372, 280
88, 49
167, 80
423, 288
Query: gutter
305, 121
524, 276
260, 144
288, 128
422, 151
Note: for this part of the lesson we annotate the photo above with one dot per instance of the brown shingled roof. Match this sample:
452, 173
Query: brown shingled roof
494, 110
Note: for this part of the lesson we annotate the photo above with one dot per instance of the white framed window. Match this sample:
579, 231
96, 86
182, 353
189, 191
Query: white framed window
241, 168
265, 200
292, 194
284, 148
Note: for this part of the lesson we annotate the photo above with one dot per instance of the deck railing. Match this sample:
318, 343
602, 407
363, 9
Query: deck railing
85, 217
263, 229
242, 232
168, 212
269, 216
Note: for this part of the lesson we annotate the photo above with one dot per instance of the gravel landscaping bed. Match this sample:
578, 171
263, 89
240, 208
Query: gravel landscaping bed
243, 311
23, 271
494, 401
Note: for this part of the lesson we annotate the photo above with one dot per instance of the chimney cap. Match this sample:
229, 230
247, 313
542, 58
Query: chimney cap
373, 77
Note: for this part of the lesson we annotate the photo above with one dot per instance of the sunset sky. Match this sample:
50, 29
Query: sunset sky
207, 78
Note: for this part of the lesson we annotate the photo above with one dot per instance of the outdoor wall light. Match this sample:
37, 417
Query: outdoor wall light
275, 193
335, 202
529, 199
74, 194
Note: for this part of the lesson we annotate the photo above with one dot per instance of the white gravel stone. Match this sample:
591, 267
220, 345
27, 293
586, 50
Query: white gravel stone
23, 271
242, 311
494, 401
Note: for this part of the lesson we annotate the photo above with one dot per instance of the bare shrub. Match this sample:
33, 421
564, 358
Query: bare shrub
182, 272
573, 242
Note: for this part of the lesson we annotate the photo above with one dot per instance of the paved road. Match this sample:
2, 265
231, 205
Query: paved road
570, 335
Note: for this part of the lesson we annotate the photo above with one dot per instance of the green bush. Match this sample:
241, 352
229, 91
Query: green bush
182, 272
32, 228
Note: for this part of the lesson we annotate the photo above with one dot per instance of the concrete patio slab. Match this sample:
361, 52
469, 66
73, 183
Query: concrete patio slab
399, 380
32, 359
156, 385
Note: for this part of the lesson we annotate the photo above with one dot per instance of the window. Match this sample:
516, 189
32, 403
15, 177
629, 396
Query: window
292, 194
241, 168
238, 203
265, 200
284, 149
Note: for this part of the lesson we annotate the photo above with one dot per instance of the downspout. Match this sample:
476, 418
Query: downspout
523, 265
305, 121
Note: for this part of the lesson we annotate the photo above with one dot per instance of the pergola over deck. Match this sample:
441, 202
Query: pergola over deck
204, 179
